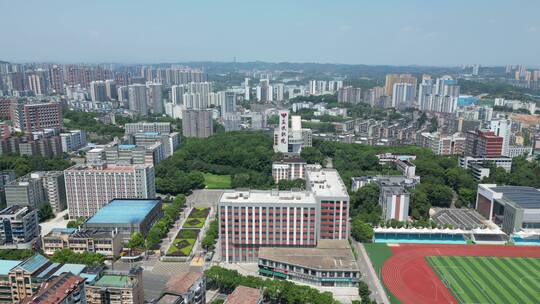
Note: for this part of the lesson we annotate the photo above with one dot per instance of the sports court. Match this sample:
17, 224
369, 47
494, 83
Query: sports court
489, 279
410, 278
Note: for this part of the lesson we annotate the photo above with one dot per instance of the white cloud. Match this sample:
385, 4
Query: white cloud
533, 29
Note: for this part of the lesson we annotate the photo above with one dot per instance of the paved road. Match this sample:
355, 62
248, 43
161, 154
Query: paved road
370, 276
329, 163
204, 198
56, 222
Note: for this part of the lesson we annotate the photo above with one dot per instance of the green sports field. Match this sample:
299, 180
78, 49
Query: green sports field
493, 280
214, 181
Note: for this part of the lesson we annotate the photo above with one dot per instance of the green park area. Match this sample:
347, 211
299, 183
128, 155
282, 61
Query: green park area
196, 218
489, 279
187, 236
183, 243
214, 181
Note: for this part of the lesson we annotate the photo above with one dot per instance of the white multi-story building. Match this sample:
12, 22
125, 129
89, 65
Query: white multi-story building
20, 227
155, 99
442, 144
440, 95
478, 165
402, 95
54, 188
264, 91
394, 202
279, 91
502, 128
335, 85
289, 169
122, 93
174, 110
195, 95
145, 127
37, 82
516, 104
138, 100
88, 188
73, 141
442, 104
514, 151
229, 104
247, 89
197, 123
110, 89
321, 87
98, 91
177, 94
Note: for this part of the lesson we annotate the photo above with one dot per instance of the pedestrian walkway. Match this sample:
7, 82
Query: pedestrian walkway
169, 268
165, 243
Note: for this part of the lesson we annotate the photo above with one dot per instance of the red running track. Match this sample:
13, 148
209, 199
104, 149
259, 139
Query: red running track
408, 276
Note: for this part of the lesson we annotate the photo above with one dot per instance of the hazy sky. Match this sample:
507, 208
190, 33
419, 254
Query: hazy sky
428, 32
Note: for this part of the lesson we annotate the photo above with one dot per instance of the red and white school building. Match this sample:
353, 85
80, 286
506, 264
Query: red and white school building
252, 219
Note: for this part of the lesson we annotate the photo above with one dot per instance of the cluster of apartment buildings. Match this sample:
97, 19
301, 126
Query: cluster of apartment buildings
38, 280
114, 171
394, 190
40, 125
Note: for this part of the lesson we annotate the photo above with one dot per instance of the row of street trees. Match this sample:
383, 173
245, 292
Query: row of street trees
275, 291
171, 212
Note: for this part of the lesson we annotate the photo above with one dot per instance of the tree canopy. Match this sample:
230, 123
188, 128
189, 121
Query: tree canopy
69, 256
246, 156
275, 291
23, 164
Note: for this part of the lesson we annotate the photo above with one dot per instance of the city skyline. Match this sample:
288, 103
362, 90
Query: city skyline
353, 32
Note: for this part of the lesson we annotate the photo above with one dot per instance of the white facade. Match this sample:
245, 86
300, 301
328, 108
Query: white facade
288, 170
88, 188
402, 94
155, 99
439, 96
502, 128
514, 151
144, 127
98, 91
73, 141
281, 143
291, 140
138, 99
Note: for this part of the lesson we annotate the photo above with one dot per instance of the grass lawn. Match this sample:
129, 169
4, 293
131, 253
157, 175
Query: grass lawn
214, 181
378, 253
199, 213
183, 243
194, 223
491, 280
181, 247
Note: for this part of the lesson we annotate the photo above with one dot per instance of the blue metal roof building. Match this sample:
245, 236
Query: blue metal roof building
33, 263
6, 266
127, 216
